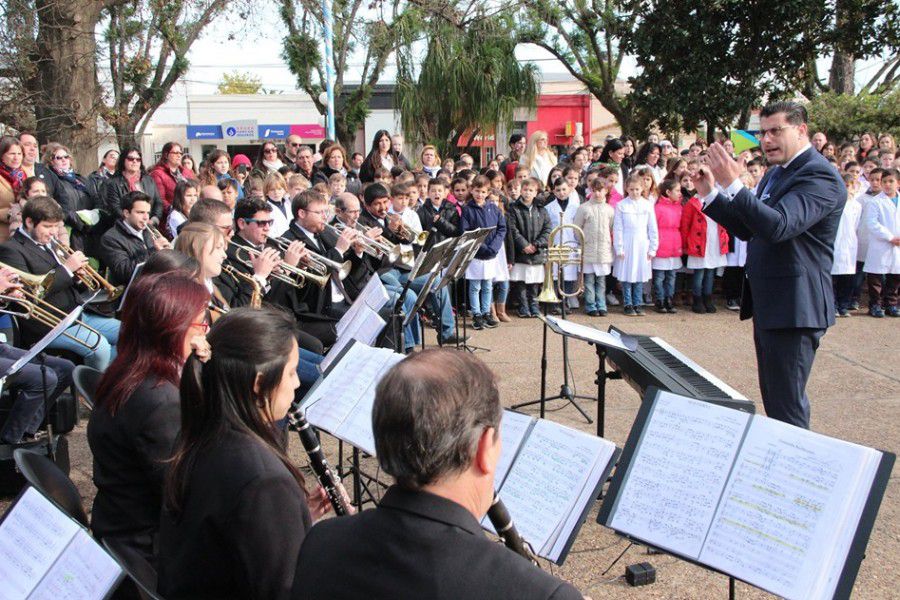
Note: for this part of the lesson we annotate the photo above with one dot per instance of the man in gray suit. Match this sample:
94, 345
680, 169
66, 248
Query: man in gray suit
791, 228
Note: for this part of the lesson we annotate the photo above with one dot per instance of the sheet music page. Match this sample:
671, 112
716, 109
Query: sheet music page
677, 473
790, 510
546, 479
373, 296
364, 328
335, 396
586, 332
32, 536
84, 571
513, 428
357, 427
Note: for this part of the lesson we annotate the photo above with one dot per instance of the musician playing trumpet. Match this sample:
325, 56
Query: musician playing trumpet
30, 250
130, 241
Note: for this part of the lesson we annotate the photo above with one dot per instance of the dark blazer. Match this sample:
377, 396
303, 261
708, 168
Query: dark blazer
416, 545
363, 267
46, 174
277, 293
241, 527
21, 253
121, 252
528, 227
130, 450
791, 243
316, 299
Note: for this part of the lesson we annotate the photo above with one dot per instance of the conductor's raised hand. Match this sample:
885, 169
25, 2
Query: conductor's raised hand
724, 168
703, 181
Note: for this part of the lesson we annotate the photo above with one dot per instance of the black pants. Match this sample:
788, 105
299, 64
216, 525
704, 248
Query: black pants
732, 281
843, 290
27, 412
527, 294
784, 359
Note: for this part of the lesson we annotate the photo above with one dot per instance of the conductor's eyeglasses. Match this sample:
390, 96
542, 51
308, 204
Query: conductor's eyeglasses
773, 131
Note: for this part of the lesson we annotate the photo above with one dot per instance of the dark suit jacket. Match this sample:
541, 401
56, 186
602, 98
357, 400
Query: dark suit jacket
21, 253
317, 300
791, 243
362, 267
416, 545
241, 526
237, 294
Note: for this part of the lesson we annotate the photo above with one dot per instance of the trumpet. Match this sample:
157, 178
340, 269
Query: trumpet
35, 308
293, 276
87, 274
319, 264
562, 254
155, 233
372, 247
408, 233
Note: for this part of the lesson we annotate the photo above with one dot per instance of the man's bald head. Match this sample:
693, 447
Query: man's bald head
211, 192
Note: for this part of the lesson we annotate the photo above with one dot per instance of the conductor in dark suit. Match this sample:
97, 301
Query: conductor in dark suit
436, 420
791, 228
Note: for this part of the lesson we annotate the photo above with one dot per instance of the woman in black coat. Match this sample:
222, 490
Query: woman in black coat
130, 176
74, 193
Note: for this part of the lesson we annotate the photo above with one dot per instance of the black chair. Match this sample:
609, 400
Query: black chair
86, 380
50, 480
141, 575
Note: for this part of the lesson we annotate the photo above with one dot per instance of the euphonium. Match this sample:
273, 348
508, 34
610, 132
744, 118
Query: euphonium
562, 254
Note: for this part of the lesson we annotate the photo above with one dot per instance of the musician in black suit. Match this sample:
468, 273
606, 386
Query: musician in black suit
29, 250
424, 539
790, 230
129, 242
236, 508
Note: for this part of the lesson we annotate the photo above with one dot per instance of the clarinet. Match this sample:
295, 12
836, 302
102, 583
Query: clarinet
505, 528
327, 478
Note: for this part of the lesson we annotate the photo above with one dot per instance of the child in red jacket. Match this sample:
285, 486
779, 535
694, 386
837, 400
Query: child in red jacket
668, 257
706, 246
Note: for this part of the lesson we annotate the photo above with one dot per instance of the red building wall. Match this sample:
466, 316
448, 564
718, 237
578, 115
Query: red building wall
555, 110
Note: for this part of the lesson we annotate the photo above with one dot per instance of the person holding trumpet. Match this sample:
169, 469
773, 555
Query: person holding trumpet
31, 250
27, 411
131, 240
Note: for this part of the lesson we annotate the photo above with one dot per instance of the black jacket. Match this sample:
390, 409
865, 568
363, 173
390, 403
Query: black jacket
528, 227
72, 199
115, 188
130, 452
317, 299
46, 174
445, 227
363, 267
417, 545
121, 252
241, 527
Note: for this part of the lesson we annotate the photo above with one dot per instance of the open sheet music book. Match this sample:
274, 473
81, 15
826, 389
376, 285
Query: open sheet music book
365, 327
46, 554
779, 507
373, 296
341, 402
548, 477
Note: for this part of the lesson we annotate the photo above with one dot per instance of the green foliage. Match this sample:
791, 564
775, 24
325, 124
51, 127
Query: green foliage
469, 80
842, 116
239, 83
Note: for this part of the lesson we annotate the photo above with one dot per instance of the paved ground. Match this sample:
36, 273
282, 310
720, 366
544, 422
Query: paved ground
855, 391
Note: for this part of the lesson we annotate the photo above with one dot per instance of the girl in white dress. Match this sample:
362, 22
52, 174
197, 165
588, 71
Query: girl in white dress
843, 271
635, 240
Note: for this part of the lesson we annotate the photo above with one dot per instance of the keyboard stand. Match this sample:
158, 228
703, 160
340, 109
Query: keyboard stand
602, 376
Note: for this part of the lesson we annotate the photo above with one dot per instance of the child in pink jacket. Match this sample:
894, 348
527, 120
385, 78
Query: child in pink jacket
668, 257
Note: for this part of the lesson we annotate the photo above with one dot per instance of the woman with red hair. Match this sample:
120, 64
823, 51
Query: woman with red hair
136, 415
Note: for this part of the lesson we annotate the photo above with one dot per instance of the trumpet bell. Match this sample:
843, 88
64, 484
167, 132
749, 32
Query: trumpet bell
37, 284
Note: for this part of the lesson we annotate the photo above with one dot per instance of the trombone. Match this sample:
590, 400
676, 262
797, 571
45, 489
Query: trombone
35, 308
318, 264
293, 276
87, 274
562, 253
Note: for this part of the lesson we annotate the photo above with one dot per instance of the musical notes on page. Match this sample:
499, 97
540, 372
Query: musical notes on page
783, 520
676, 475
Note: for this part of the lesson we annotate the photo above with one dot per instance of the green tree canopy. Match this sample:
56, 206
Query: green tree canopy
239, 83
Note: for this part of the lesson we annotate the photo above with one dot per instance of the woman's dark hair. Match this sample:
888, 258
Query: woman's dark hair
554, 174
610, 146
261, 155
7, 142
250, 348
123, 157
26, 185
193, 168
373, 156
644, 151
180, 188
166, 149
157, 315
168, 261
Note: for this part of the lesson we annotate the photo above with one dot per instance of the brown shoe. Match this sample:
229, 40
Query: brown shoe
500, 309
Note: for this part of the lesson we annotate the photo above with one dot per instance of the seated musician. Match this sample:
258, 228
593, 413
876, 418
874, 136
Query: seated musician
424, 539
129, 242
236, 509
27, 412
376, 199
136, 415
29, 250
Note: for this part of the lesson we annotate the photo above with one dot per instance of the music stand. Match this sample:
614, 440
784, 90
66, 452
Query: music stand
434, 260
36, 352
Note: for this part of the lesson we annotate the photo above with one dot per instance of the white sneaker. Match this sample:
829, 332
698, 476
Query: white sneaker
612, 300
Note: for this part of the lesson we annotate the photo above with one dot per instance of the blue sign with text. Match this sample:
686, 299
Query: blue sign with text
204, 132
268, 132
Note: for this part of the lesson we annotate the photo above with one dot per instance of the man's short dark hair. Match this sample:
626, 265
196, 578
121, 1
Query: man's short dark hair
515, 138
42, 208
437, 181
248, 207
128, 200
374, 192
305, 198
207, 210
227, 182
430, 411
885, 174
355, 154
794, 112
759, 161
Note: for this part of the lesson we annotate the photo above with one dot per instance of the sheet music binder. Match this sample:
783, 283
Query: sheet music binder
59, 559
833, 576
582, 498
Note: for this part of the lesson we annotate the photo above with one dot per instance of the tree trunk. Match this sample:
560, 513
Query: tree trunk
843, 70
67, 98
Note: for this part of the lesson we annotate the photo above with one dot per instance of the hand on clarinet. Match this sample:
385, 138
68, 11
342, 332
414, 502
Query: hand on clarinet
161, 243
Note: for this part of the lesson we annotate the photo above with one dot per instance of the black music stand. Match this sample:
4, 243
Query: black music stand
432, 262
